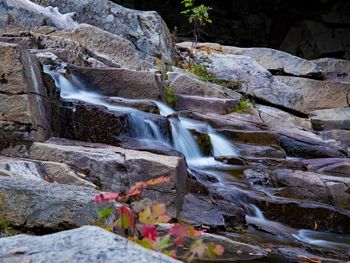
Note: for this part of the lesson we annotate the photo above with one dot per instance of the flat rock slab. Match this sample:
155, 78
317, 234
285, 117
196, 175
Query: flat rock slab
318, 94
268, 58
116, 169
85, 244
43, 206
331, 119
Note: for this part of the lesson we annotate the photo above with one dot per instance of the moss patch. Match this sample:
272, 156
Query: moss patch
203, 141
243, 106
169, 94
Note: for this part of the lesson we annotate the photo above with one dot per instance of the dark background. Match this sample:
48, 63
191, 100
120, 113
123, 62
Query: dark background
307, 28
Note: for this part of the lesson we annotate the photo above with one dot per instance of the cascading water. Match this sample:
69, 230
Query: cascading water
184, 142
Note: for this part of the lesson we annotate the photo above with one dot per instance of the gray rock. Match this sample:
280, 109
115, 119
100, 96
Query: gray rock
44, 206
270, 59
255, 80
145, 29
121, 82
329, 119
116, 169
184, 83
206, 105
85, 244
335, 69
24, 108
318, 94
342, 136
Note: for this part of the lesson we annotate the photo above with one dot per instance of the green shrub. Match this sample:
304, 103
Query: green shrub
243, 106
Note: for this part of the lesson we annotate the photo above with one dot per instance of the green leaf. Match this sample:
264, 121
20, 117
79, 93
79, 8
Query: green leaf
104, 213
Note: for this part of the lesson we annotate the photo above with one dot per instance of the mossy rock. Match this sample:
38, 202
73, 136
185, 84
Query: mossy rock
203, 141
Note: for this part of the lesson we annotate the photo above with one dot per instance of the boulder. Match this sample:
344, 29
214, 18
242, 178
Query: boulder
145, 29
296, 145
184, 83
282, 121
205, 105
123, 83
255, 80
216, 214
26, 15
334, 69
318, 94
42, 206
116, 169
24, 107
42, 171
270, 59
330, 119
85, 244
342, 136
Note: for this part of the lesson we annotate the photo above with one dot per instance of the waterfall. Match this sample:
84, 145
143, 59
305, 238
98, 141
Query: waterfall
184, 142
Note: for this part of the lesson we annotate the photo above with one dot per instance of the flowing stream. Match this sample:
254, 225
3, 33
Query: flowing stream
184, 142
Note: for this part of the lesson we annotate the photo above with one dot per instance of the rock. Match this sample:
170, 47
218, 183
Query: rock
145, 29
120, 82
24, 108
342, 136
334, 69
187, 84
270, 59
220, 213
142, 105
330, 119
255, 80
85, 244
250, 137
282, 121
42, 206
205, 105
260, 151
116, 169
24, 15
231, 121
92, 42
20, 169
319, 95
305, 147
310, 186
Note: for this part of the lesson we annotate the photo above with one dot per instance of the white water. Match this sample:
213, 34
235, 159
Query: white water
184, 142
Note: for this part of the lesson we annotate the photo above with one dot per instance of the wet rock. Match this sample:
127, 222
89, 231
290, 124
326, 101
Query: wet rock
85, 244
329, 166
305, 147
270, 59
217, 214
46, 207
24, 109
142, 105
121, 82
231, 121
184, 83
205, 105
250, 137
260, 151
146, 30
116, 169
330, 119
318, 94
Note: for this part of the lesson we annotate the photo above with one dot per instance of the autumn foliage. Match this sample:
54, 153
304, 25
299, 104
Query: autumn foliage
138, 218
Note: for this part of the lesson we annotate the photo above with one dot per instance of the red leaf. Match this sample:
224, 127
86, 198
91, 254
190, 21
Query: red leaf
126, 217
104, 197
179, 232
149, 232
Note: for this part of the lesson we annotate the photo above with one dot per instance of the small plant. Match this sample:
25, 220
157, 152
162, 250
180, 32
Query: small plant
4, 224
243, 106
169, 94
137, 218
202, 72
198, 16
